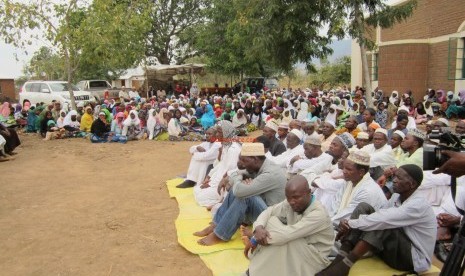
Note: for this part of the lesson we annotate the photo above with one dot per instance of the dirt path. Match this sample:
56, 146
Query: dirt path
70, 207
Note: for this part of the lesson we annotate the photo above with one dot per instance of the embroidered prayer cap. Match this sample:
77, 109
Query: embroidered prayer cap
400, 133
381, 130
313, 140
331, 123
346, 139
404, 108
363, 135
283, 125
360, 157
417, 133
253, 149
444, 121
415, 172
272, 125
297, 133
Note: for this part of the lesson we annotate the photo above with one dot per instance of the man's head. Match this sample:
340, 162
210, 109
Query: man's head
362, 140
252, 157
265, 141
380, 138
312, 147
298, 194
210, 134
407, 178
283, 129
328, 129
294, 124
351, 123
308, 128
440, 123
397, 138
460, 127
57, 106
413, 140
356, 166
402, 121
293, 139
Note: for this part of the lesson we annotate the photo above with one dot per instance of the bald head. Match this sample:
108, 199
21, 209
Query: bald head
294, 124
298, 194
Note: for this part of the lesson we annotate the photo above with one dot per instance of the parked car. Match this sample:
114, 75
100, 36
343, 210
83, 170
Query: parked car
100, 89
257, 84
47, 91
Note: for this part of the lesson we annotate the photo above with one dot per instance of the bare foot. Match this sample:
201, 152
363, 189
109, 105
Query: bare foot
211, 239
206, 231
209, 208
248, 246
4, 158
246, 231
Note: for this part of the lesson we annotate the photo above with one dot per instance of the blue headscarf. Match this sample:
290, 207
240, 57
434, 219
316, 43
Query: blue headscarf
208, 118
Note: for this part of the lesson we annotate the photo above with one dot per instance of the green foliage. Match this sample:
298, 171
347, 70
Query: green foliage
174, 24
332, 74
45, 63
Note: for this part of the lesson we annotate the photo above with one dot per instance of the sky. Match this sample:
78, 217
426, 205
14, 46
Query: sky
11, 67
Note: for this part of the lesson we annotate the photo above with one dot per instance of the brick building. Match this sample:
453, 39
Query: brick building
7, 88
425, 51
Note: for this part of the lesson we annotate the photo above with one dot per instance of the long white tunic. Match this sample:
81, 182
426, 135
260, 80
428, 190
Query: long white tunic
367, 190
299, 244
329, 183
383, 157
284, 158
201, 160
305, 163
229, 157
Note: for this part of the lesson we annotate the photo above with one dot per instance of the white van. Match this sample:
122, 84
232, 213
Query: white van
47, 91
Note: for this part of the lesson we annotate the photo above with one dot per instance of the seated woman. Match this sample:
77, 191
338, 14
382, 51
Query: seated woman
160, 132
240, 122
255, 120
54, 132
131, 127
117, 129
44, 123
87, 120
20, 115
32, 118
177, 132
100, 129
420, 114
208, 119
71, 125
194, 125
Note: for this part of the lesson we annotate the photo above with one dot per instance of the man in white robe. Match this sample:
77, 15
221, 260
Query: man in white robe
359, 187
206, 193
293, 237
294, 148
381, 154
312, 155
203, 156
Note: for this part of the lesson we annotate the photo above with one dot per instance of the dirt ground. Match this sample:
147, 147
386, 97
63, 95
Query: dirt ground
69, 207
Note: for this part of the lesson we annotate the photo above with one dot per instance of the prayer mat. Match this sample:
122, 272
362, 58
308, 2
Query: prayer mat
227, 259
218, 258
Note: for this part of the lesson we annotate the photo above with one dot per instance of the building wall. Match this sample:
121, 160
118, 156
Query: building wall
438, 66
403, 67
7, 88
431, 18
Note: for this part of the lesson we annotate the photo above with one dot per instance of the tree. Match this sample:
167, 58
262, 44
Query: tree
332, 74
77, 31
173, 27
45, 61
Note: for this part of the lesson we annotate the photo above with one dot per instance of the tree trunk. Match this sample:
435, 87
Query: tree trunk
69, 70
366, 76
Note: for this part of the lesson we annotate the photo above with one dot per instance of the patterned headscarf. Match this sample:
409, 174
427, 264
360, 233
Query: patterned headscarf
229, 132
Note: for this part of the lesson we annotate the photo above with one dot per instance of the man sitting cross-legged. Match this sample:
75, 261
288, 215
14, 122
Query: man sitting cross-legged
251, 191
402, 234
293, 237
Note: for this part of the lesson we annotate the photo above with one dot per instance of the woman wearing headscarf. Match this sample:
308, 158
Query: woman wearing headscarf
60, 118
32, 118
420, 114
87, 119
381, 115
44, 123
442, 99
151, 123
100, 129
248, 109
11, 138
20, 115
240, 122
255, 120
208, 118
117, 127
289, 107
5, 111
131, 127
454, 106
72, 125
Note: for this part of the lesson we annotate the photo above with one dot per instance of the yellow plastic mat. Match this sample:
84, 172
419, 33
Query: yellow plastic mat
227, 259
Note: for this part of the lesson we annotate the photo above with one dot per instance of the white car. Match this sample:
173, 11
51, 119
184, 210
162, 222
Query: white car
47, 91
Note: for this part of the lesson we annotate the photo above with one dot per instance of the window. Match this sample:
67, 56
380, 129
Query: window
35, 87
372, 59
456, 59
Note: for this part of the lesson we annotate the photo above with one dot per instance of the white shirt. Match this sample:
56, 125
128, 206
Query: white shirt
284, 158
306, 163
383, 157
417, 219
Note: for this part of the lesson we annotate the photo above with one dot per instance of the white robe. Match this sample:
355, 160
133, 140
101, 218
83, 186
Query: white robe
284, 158
298, 247
201, 160
447, 203
367, 190
434, 187
229, 157
305, 163
382, 157
329, 183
